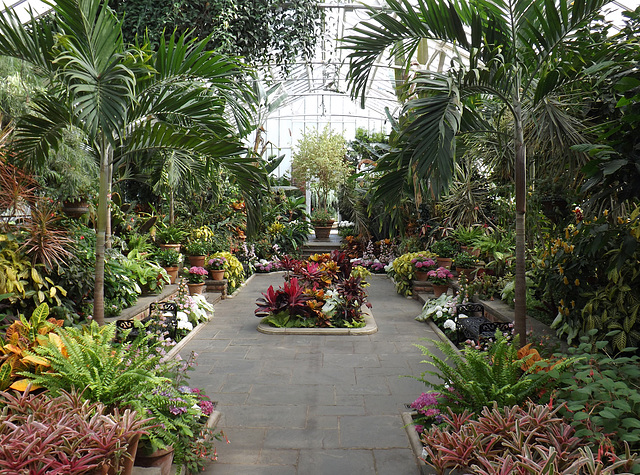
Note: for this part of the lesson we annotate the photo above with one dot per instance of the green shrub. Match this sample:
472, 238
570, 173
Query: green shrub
602, 394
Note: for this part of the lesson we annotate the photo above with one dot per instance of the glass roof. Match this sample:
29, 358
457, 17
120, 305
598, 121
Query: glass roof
316, 92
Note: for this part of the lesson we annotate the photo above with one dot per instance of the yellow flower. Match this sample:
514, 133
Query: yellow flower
606, 213
565, 280
560, 269
577, 282
562, 302
566, 311
620, 220
573, 304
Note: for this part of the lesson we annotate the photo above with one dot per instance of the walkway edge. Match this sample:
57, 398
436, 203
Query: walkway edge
370, 328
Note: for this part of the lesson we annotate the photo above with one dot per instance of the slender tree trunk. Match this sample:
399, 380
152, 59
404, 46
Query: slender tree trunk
172, 216
520, 320
101, 231
107, 243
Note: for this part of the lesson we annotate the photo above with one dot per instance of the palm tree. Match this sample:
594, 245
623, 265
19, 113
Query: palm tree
503, 50
126, 99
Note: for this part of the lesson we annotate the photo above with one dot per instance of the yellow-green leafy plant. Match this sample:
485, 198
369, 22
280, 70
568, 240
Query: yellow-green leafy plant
403, 270
21, 339
22, 279
233, 271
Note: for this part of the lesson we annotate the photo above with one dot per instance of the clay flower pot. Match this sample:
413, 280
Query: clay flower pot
161, 459
172, 272
421, 276
196, 289
217, 274
438, 290
197, 261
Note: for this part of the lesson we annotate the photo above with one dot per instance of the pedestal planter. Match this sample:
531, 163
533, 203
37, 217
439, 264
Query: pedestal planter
161, 459
438, 290
172, 272
196, 289
322, 232
444, 262
197, 261
217, 274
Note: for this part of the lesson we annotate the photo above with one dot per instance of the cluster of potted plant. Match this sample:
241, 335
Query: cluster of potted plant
133, 401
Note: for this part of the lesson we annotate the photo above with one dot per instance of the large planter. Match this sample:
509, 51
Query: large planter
196, 289
444, 262
75, 209
197, 261
468, 272
175, 247
322, 232
217, 274
438, 290
161, 459
172, 272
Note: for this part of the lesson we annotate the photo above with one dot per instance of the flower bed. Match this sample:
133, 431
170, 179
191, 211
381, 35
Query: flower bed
325, 291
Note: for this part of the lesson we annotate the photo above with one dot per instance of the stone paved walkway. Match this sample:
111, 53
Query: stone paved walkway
310, 405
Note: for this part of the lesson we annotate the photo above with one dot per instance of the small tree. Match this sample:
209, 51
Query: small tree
321, 156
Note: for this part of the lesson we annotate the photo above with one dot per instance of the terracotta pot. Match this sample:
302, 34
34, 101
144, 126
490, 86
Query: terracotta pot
196, 289
126, 463
197, 261
75, 209
217, 274
421, 276
444, 262
322, 232
175, 247
468, 272
161, 459
173, 273
438, 290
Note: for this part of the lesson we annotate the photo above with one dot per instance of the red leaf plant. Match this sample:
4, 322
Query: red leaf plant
63, 435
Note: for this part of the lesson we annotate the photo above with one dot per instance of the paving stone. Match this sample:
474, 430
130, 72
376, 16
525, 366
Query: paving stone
302, 438
268, 416
334, 462
395, 462
372, 432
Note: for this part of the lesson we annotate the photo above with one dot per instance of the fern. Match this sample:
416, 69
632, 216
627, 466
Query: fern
89, 362
475, 379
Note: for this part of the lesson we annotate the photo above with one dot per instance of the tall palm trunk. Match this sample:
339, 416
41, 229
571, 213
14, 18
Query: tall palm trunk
101, 231
520, 318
